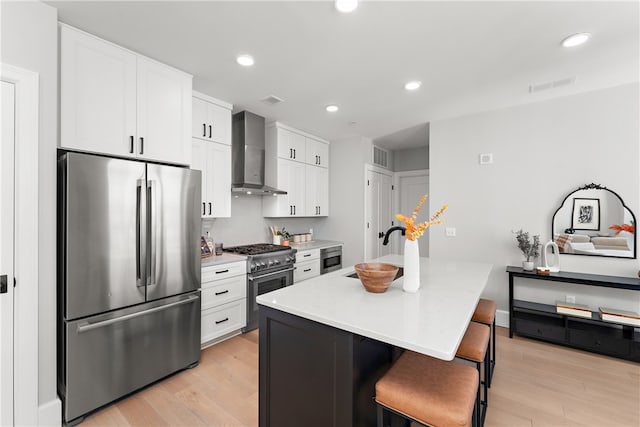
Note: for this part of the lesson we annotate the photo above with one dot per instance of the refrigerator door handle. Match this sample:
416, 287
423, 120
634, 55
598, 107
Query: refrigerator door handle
140, 234
84, 327
151, 201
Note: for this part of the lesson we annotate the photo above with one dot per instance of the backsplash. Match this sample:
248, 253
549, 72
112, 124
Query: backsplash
246, 224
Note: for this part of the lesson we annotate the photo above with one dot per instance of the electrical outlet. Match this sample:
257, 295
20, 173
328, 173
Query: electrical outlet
570, 299
450, 232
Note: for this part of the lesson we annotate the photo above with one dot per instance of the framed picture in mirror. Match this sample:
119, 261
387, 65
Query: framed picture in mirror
586, 214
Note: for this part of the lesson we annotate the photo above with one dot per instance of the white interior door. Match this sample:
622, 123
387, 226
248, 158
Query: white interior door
378, 201
410, 189
6, 252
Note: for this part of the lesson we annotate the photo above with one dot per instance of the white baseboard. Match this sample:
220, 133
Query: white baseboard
50, 413
502, 318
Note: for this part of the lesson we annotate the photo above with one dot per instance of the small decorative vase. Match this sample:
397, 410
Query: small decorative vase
411, 266
277, 240
527, 265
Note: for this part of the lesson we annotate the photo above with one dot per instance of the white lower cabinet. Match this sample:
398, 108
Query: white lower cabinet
307, 265
224, 301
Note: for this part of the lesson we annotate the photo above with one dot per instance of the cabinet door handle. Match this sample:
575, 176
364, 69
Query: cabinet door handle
222, 271
222, 292
204, 208
306, 270
319, 161
294, 153
221, 321
204, 130
210, 131
306, 255
291, 153
290, 209
294, 209
318, 210
131, 149
209, 208
141, 145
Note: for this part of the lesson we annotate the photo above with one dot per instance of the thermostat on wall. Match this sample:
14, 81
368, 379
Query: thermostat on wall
486, 158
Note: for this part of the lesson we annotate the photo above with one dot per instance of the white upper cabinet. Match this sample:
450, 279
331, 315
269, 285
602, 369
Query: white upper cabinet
211, 119
291, 145
317, 152
289, 166
213, 160
317, 191
115, 102
164, 113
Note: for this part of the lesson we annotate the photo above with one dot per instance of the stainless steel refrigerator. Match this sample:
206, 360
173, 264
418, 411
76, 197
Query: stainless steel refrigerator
128, 277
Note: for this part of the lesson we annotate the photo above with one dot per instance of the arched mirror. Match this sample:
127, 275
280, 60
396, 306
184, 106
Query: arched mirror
594, 220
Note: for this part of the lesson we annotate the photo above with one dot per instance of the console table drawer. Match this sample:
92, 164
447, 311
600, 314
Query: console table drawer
539, 329
599, 343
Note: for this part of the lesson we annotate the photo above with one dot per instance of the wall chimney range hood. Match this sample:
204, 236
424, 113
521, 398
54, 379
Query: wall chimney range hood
247, 155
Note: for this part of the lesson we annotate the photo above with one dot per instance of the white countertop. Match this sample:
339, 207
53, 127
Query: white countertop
315, 244
431, 321
221, 259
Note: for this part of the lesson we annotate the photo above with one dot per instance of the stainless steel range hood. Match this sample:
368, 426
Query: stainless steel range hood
247, 155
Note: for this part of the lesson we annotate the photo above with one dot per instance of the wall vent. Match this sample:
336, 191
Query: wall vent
380, 157
272, 100
551, 85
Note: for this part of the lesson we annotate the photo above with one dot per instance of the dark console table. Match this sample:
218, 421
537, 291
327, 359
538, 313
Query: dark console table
542, 321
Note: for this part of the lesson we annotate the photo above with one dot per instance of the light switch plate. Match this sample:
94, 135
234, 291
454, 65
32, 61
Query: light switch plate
486, 158
450, 232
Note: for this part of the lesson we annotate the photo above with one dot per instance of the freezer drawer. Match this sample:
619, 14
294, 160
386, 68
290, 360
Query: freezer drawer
111, 355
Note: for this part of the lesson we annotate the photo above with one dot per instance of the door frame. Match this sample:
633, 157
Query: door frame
396, 199
368, 167
25, 313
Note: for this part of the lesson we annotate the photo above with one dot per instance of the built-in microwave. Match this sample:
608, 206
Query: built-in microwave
330, 259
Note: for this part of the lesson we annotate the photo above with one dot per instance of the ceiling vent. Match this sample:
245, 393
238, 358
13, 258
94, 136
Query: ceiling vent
272, 100
380, 157
551, 85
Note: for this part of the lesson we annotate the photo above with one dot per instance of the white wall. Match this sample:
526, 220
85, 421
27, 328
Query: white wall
346, 196
30, 41
542, 151
411, 159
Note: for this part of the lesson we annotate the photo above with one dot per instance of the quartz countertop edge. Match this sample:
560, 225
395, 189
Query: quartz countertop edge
431, 321
225, 258
315, 244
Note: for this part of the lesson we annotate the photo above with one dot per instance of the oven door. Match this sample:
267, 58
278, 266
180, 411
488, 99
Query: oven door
258, 284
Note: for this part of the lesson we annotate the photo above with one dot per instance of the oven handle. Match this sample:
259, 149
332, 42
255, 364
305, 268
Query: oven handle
249, 277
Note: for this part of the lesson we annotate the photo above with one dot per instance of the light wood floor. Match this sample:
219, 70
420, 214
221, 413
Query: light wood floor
535, 384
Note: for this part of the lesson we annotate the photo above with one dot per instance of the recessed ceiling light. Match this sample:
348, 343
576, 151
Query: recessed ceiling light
575, 39
332, 108
413, 85
346, 6
245, 60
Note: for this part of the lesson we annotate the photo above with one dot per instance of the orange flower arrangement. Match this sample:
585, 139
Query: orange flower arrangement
416, 230
624, 227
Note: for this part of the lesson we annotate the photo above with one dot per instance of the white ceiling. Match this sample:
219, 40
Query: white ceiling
470, 56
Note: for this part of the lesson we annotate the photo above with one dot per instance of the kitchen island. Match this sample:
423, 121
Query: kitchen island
325, 342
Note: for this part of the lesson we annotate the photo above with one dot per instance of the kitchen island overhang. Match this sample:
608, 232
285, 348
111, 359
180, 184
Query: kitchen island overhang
324, 342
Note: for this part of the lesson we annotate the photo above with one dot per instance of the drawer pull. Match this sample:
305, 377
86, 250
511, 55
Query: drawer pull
221, 321
222, 292
222, 271
306, 270
306, 255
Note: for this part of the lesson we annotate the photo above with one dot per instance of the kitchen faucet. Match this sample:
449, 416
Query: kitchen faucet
385, 242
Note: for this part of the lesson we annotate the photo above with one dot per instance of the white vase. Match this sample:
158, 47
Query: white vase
527, 265
411, 274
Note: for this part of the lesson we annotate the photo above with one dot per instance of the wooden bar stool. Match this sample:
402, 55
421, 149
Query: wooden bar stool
486, 313
474, 347
429, 391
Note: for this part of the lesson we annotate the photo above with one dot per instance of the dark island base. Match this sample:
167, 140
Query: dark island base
312, 374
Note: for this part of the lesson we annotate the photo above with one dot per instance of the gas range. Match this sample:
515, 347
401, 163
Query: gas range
265, 257
269, 267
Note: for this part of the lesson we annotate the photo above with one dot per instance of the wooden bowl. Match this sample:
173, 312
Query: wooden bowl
376, 276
